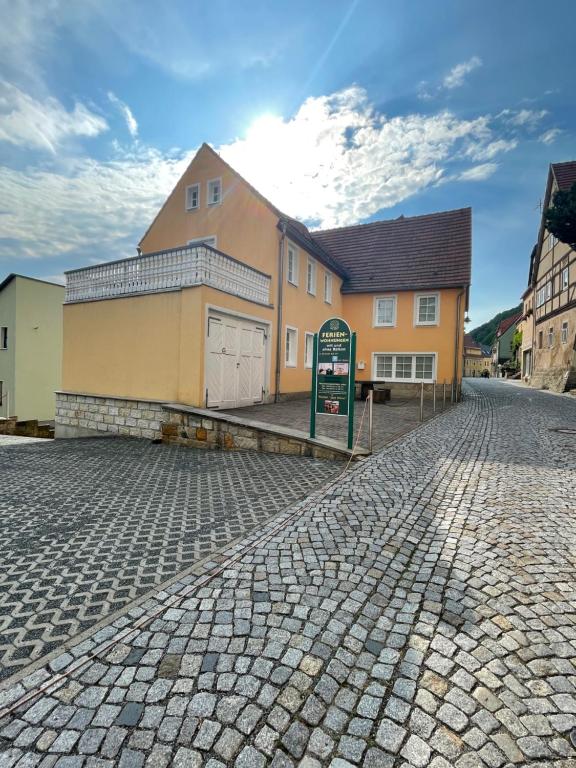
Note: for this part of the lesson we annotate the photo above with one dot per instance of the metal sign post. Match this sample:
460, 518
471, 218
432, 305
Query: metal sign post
333, 368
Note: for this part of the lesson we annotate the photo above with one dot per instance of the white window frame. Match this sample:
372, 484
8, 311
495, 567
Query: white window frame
209, 188
188, 193
565, 278
564, 332
210, 240
394, 299
548, 290
292, 251
327, 288
550, 337
293, 361
311, 277
417, 298
308, 363
4, 337
413, 355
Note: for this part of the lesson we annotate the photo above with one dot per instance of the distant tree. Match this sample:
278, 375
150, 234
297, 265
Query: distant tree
516, 342
560, 218
486, 333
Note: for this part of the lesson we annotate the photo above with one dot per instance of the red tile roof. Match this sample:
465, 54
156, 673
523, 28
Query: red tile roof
506, 323
408, 253
471, 343
565, 174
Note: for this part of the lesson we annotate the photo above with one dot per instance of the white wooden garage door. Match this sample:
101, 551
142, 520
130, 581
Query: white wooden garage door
235, 361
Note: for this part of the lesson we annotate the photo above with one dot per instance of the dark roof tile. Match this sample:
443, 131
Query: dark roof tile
412, 253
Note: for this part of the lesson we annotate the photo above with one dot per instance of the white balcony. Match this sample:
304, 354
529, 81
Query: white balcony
168, 271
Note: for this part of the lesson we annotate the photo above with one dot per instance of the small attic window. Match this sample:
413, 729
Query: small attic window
215, 192
192, 197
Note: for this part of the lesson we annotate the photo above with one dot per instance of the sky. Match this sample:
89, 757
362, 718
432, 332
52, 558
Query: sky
339, 111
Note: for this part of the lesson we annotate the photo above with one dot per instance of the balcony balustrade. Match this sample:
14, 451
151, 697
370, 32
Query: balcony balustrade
165, 271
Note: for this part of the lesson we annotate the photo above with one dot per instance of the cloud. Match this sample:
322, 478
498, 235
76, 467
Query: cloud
457, 75
550, 136
126, 113
454, 79
28, 122
337, 161
524, 117
94, 210
477, 172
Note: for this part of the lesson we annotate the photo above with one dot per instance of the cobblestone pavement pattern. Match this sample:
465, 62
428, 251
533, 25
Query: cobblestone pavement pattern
390, 420
420, 613
88, 525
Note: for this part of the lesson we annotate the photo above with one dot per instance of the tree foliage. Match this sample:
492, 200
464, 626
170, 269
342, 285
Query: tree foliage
560, 218
486, 332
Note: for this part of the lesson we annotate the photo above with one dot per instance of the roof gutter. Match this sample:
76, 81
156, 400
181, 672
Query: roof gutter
282, 227
463, 292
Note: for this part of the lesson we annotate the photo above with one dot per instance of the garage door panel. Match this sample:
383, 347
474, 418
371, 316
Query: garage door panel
235, 362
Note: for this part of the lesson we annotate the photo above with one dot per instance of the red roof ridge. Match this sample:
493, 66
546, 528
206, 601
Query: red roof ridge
391, 221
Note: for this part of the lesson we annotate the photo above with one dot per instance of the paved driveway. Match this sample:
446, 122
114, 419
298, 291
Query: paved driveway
421, 612
88, 525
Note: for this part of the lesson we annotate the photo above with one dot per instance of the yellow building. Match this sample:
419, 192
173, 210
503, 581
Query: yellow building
30, 347
220, 307
476, 360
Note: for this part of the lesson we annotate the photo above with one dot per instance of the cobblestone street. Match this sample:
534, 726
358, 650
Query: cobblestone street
419, 612
87, 526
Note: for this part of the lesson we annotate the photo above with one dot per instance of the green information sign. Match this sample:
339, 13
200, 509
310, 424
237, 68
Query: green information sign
333, 368
333, 373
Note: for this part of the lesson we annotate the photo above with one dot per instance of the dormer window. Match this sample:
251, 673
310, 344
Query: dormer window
192, 197
215, 192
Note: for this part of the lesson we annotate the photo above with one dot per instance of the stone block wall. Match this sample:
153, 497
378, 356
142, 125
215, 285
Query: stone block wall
8, 426
80, 415
198, 431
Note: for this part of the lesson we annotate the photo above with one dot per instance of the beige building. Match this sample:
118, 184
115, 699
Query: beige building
220, 308
553, 282
476, 360
30, 347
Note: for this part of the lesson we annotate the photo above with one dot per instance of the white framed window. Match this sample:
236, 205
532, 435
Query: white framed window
292, 264
327, 287
564, 332
308, 349
384, 311
291, 347
564, 278
211, 241
4, 337
192, 197
311, 277
548, 288
550, 337
215, 192
427, 308
551, 240
404, 366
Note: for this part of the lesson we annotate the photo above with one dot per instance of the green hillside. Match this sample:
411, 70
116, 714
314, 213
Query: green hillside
486, 332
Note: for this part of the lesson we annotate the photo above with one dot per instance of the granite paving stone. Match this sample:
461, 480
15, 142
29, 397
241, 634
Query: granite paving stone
420, 611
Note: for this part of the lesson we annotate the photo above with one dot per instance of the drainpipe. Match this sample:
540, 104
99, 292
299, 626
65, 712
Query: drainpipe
457, 340
279, 317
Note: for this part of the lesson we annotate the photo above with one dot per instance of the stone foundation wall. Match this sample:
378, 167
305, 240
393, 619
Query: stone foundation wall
201, 432
8, 426
554, 379
80, 415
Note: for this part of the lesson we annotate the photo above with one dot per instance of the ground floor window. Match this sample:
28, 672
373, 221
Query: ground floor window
564, 332
291, 347
404, 367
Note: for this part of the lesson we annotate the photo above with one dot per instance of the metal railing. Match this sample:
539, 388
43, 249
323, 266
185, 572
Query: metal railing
168, 270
